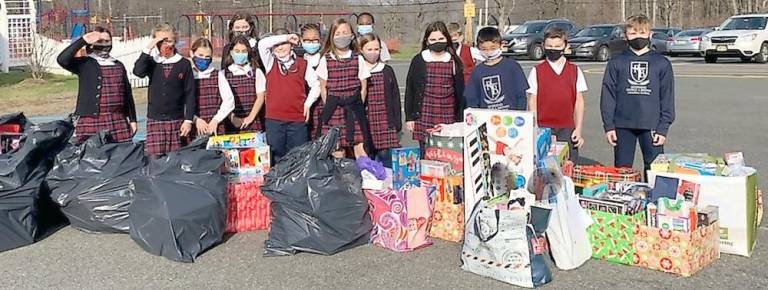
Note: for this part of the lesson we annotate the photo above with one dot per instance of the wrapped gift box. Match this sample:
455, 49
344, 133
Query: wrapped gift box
247, 208
405, 167
448, 213
435, 168
496, 139
689, 163
401, 218
738, 202
674, 251
612, 236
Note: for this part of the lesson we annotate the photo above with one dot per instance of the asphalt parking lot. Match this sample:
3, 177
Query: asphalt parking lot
720, 108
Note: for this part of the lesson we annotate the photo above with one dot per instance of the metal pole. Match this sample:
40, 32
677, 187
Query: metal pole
270, 16
623, 9
468, 31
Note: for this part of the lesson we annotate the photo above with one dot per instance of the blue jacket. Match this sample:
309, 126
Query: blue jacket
638, 92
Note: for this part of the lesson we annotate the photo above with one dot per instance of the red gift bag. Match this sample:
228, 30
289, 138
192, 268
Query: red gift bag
247, 208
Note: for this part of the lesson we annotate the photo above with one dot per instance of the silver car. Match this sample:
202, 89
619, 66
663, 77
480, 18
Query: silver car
687, 42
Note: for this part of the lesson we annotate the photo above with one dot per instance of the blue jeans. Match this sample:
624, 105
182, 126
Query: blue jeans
282, 136
624, 151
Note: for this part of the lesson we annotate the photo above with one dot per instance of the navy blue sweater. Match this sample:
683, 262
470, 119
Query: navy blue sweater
638, 92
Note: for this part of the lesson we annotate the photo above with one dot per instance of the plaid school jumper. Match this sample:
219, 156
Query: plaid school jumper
438, 104
209, 99
343, 83
163, 135
383, 135
111, 115
244, 89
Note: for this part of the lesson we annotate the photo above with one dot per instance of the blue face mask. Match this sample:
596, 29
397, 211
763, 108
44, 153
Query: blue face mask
202, 63
311, 48
240, 58
363, 29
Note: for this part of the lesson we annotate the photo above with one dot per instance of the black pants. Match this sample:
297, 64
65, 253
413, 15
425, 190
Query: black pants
624, 151
282, 136
384, 157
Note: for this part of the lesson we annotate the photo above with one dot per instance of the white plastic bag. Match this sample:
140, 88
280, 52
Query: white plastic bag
567, 231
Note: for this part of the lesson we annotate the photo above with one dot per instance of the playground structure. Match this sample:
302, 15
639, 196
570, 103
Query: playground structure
17, 29
214, 26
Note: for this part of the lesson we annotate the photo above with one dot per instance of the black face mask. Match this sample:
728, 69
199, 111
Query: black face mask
639, 43
101, 50
455, 45
438, 46
553, 54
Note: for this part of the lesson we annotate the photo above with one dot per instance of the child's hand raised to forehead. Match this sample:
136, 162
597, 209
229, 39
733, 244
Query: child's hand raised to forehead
293, 39
92, 37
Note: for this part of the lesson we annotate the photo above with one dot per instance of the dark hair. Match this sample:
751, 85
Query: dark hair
253, 58
487, 34
556, 32
102, 30
242, 15
280, 31
373, 21
201, 43
440, 26
328, 45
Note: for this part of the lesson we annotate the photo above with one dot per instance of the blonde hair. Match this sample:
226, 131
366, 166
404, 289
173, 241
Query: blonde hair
638, 22
454, 27
164, 27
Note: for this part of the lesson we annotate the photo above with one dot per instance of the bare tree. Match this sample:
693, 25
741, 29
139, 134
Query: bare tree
41, 54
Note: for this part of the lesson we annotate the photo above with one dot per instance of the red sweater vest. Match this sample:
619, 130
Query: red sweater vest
467, 61
556, 96
286, 93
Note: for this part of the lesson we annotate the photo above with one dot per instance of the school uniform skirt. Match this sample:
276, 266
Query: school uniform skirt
439, 101
383, 135
163, 136
111, 116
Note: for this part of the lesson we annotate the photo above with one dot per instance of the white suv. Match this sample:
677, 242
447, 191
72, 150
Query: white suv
743, 36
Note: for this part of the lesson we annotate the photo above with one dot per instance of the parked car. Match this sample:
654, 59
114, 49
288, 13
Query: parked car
669, 31
687, 42
594, 42
527, 39
658, 43
742, 36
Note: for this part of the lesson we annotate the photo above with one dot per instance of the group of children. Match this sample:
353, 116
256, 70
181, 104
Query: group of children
298, 87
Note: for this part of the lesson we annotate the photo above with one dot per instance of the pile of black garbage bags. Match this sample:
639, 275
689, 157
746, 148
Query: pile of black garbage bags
173, 205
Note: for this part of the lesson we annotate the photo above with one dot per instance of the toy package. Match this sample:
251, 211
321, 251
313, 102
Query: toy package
248, 161
244, 140
406, 167
499, 152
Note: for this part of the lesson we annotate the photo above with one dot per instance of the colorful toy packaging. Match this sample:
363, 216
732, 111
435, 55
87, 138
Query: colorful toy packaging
406, 167
247, 208
499, 152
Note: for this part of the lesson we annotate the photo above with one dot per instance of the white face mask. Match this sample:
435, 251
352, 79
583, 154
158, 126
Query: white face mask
491, 55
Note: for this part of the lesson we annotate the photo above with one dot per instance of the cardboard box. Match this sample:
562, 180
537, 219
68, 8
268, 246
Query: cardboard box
248, 161
491, 137
236, 141
435, 168
406, 167
737, 201
560, 150
689, 163
674, 251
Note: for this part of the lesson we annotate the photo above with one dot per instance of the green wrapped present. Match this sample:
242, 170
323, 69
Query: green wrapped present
612, 235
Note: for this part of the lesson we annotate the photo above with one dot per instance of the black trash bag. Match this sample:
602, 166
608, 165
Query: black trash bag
22, 176
90, 182
318, 204
179, 207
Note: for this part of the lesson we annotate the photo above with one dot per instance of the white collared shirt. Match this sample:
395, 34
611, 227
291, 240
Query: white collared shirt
313, 60
227, 99
428, 57
322, 67
261, 80
103, 61
155, 54
476, 55
533, 84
